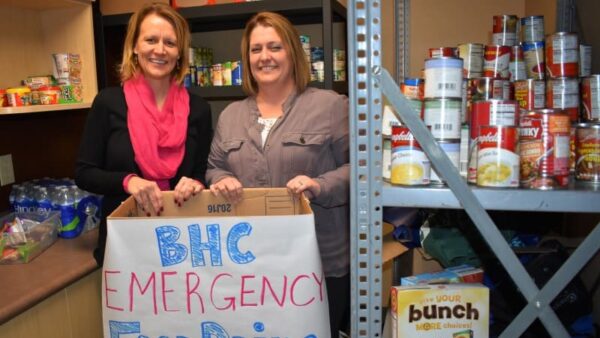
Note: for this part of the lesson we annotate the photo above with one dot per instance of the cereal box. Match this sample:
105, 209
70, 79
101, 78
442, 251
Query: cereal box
440, 311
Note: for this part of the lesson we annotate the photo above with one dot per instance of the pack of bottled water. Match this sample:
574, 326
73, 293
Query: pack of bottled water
80, 210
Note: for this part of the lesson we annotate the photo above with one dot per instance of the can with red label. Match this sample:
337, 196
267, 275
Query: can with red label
530, 93
590, 97
488, 113
532, 28
413, 88
585, 60
562, 55
504, 31
409, 164
563, 93
440, 52
496, 59
472, 55
587, 145
533, 52
572, 152
544, 149
516, 67
497, 157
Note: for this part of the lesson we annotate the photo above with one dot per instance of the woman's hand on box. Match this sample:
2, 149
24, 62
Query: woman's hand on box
186, 188
304, 184
230, 188
147, 194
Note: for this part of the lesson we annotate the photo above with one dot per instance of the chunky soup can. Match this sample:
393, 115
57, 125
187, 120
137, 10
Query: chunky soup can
587, 152
562, 55
544, 149
530, 93
497, 157
409, 164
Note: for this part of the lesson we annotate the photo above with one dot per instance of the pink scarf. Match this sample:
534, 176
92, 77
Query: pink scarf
158, 137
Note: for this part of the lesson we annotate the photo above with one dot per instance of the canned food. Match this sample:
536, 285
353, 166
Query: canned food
443, 117
409, 164
562, 55
587, 148
530, 93
497, 158
488, 113
413, 88
464, 150
472, 55
452, 149
563, 93
572, 153
516, 66
504, 31
487, 88
544, 149
495, 61
387, 158
441, 52
18, 96
532, 28
585, 60
590, 97
443, 78
533, 53
3, 99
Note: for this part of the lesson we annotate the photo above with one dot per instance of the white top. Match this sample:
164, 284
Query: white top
267, 125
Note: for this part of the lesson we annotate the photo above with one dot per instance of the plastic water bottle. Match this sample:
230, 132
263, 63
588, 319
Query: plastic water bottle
43, 201
12, 196
24, 201
88, 208
65, 203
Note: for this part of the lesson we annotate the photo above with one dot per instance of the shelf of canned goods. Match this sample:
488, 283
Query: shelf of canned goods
368, 81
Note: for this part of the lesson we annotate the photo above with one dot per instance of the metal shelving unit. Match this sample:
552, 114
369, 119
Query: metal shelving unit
368, 81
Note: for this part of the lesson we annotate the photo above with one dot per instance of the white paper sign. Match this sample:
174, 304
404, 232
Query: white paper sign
214, 277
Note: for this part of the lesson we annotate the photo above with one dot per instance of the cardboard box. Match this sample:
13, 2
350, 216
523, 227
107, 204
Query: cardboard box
415, 262
390, 250
452, 310
216, 267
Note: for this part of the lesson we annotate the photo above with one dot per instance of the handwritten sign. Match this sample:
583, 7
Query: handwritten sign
214, 277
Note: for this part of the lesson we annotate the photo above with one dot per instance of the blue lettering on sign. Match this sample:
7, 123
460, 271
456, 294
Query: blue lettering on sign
235, 234
171, 252
208, 329
213, 244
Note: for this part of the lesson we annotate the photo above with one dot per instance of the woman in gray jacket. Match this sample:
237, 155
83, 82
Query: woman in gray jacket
286, 134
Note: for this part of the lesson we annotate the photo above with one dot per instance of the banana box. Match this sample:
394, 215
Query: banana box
440, 311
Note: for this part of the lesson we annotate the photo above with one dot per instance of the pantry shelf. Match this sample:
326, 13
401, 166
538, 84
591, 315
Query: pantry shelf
44, 108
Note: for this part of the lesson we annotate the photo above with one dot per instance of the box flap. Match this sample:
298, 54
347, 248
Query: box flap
391, 249
256, 202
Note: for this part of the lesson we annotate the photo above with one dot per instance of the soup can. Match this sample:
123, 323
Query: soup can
563, 93
590, 97
443, 78
585, 60
496, 59
413, 88
532, 28
562, 55
452, 149
487, 88
387, 158
463, 158
443, 116
530, 93
572, 152
516, 67
544, 149
488, 113
3, 99
533, 52
440, 52
409, 164
587, 148
497, 157
472, 55
504, 31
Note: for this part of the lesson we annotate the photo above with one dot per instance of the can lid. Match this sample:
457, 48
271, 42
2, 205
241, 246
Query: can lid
444, 62
413, 81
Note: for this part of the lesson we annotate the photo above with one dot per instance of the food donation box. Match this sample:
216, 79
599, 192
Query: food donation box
214, 269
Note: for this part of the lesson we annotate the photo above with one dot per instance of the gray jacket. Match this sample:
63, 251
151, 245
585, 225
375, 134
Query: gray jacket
311, 138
